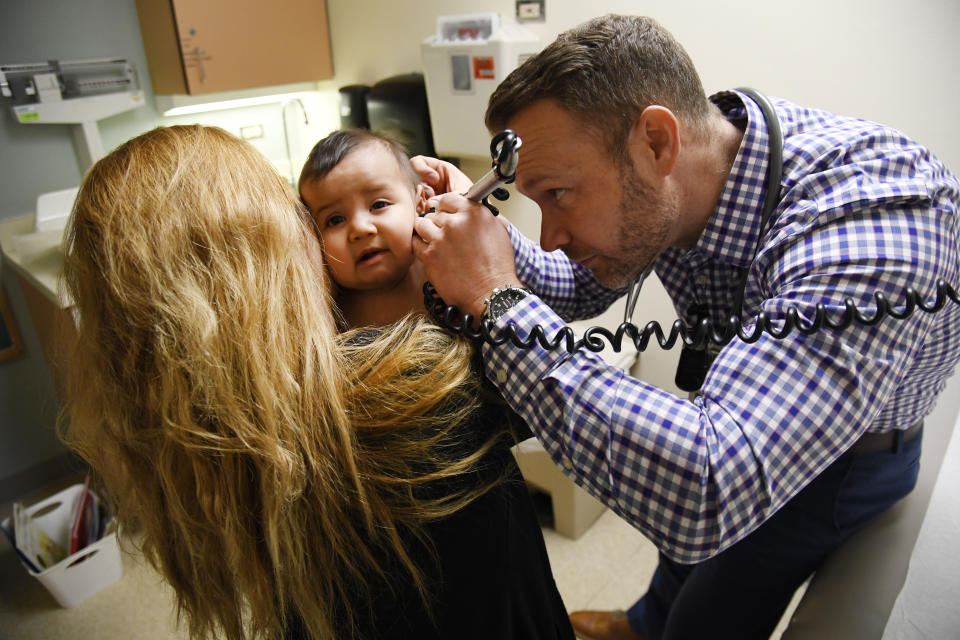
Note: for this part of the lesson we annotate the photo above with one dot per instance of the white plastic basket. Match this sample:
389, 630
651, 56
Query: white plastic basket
69, 581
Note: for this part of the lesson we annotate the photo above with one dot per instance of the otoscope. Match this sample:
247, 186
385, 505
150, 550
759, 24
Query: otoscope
503, 150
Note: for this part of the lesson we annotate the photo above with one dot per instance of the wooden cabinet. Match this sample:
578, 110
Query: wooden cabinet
202, 46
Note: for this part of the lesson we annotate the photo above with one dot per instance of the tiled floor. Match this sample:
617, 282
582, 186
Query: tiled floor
590, 572
609, 566
139, 606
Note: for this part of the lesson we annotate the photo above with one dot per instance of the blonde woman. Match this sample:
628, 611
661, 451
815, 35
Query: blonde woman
286, 480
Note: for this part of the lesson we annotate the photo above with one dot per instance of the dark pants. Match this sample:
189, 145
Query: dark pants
743, 591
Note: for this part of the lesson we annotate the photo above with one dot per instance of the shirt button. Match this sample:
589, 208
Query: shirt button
567, 464
501, 376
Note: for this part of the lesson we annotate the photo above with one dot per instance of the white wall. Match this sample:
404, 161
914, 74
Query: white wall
885, 60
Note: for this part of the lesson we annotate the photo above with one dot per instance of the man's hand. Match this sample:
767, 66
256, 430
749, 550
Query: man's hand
440, 176
466, 252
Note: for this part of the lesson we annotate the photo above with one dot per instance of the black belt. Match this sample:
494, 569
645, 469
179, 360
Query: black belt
889, 441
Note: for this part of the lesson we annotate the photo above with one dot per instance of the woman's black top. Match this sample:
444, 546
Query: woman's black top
489, 574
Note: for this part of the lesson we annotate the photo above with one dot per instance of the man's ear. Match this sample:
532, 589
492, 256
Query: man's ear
420, 198
654, 140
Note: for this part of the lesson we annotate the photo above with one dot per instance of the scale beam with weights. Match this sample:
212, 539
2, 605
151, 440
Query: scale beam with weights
76, 93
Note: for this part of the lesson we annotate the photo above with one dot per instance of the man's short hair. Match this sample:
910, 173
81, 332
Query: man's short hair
606, 72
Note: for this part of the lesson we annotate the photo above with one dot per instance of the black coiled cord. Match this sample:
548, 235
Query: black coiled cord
698, 337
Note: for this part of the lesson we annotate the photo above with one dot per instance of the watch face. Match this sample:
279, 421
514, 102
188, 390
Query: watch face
503, 300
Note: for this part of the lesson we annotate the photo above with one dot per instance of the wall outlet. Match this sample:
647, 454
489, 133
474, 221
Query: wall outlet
251, 131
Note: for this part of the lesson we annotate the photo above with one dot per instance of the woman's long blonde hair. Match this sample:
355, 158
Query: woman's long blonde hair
268, 464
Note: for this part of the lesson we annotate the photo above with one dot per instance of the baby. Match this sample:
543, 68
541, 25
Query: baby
364, 197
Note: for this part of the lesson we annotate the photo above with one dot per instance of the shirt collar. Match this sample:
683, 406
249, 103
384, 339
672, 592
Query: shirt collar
731, 232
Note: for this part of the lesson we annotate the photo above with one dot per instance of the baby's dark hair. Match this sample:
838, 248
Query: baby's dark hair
330, 151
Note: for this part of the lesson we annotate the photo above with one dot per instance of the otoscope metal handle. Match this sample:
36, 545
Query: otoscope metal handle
486, 185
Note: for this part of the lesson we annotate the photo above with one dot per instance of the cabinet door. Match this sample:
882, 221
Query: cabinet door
240, 44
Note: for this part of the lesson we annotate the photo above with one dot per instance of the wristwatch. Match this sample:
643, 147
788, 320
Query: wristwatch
502, 299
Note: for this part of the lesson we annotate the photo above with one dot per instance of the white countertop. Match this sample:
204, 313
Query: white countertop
37, 256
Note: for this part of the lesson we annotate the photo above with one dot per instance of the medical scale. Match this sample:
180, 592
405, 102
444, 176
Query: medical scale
78, 93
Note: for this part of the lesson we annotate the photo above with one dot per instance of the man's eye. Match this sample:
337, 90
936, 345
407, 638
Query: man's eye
333, 221
557, 194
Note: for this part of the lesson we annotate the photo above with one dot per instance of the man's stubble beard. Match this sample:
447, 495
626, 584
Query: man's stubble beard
645, 218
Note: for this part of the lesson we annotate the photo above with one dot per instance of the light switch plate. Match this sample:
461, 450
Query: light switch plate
531, 10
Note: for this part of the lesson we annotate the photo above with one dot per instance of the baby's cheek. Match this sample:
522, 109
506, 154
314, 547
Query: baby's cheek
405, 255
337, 269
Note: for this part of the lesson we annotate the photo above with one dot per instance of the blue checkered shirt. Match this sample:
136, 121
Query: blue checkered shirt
863, 208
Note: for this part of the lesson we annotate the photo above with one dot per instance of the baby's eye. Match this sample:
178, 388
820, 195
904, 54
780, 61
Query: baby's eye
333, 220
557, 194
379, 204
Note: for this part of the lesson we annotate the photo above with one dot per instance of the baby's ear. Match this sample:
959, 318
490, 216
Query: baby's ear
420, 198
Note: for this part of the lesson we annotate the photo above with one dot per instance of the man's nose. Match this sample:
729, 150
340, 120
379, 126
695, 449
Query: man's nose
552, 235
